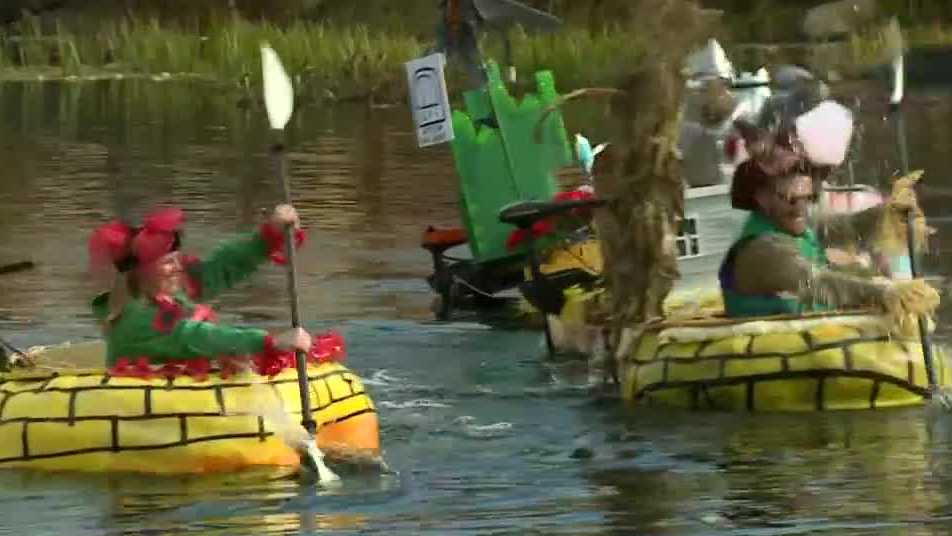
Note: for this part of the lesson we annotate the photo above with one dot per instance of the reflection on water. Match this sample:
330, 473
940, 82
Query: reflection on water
486, 438
855, 472
80, 153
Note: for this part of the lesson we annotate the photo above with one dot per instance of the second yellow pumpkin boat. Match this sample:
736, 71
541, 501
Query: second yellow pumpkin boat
838, 361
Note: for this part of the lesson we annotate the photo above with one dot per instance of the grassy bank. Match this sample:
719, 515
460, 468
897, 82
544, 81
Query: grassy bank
328, 61
351, 61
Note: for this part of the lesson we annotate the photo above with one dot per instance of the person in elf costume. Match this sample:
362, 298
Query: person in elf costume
779, 263
154, 320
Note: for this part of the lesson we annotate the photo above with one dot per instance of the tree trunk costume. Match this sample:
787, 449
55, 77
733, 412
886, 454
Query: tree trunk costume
175, 333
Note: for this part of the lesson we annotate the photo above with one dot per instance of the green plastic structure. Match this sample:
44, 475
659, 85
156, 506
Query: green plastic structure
499, 166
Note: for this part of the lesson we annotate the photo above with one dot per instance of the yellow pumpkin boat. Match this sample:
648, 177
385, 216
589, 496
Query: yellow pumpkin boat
700, 360
64, 418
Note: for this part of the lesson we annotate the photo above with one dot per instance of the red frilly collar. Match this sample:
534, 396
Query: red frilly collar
326, 347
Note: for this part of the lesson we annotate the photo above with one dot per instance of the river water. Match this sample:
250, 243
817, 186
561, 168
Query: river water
485, 436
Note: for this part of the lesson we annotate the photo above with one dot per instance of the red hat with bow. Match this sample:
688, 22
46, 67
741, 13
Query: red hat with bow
124, 247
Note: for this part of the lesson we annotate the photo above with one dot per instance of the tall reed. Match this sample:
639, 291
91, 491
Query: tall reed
338, 61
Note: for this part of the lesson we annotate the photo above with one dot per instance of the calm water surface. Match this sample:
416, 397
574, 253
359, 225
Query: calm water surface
485, 436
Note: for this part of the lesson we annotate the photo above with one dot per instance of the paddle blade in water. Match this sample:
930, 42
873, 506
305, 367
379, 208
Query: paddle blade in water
268, 406
278, 92
315, 461
825, 132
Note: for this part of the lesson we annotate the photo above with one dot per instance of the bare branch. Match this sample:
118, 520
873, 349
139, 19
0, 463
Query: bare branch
578, 93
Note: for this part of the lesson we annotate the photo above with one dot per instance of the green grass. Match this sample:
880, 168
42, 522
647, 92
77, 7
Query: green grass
324, 60
578, 57
339, 61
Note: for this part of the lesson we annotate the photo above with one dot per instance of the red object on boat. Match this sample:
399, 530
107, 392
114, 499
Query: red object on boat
325, 347
436, 239
547, 225
539, 228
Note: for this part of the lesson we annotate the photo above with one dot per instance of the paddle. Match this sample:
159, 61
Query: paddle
279, 103
9, 361
895, 102
11, 269
16, 267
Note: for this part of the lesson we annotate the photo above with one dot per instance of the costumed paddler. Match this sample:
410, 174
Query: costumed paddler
779, 265
154, 319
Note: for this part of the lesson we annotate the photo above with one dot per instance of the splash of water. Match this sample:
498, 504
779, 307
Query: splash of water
941, 399
413, 404
268, 406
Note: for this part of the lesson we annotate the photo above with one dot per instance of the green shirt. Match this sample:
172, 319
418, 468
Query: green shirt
136, 333
741, 304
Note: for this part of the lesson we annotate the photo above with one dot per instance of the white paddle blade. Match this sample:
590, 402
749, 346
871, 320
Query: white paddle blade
278, 92
899, 80
324, 473
895, 47
825, 133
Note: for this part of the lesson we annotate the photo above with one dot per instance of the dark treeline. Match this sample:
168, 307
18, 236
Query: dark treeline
407, 14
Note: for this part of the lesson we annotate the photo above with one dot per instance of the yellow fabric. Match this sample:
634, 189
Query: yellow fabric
586, 255
71, 419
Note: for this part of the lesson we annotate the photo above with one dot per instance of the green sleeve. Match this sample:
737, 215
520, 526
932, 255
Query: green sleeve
204, 339
228, 264
134, 336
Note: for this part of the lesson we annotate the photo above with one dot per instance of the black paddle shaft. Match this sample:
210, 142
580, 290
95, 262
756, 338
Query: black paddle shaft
307, 420
10, 347
537, 276
924, 335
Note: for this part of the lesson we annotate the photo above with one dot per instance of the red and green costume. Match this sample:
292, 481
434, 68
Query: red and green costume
178, 334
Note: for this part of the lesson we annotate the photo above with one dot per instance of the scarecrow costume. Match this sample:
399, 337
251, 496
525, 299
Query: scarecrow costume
768, 271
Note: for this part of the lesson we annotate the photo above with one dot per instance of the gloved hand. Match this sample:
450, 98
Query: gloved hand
284, 215
293, 339
892, 228
903, 196
906, 300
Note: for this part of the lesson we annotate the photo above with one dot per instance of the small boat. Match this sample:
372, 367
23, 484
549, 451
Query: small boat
826, 362
499, 162
65, 418
699, 359
507, 151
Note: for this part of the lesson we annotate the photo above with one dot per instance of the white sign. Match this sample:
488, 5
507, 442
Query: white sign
429, 102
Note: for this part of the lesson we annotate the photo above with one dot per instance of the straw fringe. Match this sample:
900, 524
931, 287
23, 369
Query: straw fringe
891, 229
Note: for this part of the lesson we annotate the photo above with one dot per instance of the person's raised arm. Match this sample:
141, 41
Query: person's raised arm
235, 260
